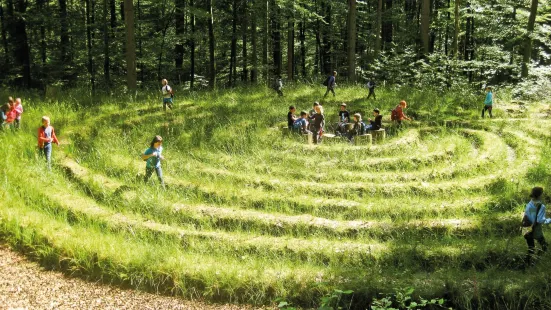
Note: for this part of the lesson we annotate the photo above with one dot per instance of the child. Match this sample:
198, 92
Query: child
291, 118
358, 129
18, 111
344, 118
301, 124
398, 113
535, 212
377, 123
318, 122
331, 83
488, 102
46, 135
153, 156
168, 95
278, 86
5, 109
371, 86
311, 114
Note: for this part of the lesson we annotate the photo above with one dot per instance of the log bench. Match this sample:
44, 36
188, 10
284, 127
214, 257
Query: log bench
363, 139
378, 135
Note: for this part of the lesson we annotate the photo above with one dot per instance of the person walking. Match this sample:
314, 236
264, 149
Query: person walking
46, 136
371, 87
168, 95
153, 156
535, 214
488, 102
278, 86
331, 83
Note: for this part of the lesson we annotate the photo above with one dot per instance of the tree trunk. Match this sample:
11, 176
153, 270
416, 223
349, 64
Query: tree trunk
180, 25
113, 10
425, 25
21, 44
89, 12
303, 47
254, 71
378, 28
455, 47
265, 48
276, 39
192, 45
106, 60
387, 32
290, 49
528, 40
4, 35
325, 51
131, 75
64, 35
212, 60
233, 48
447, 35
244, 29
352, 40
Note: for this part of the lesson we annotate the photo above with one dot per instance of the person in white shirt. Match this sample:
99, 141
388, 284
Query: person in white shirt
168, 95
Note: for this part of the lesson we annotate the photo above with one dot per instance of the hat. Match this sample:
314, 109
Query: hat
343, 104
536, 192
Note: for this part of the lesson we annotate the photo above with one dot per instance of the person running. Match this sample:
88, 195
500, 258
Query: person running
371, 87
278, 86
377, 123
398, 115
168, 95
535, 213
318, 122
18, 111
331, 83
153, 156
488, 102
291, 118
46, 136
344, 119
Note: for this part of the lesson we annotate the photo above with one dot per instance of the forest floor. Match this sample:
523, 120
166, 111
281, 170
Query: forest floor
25, 285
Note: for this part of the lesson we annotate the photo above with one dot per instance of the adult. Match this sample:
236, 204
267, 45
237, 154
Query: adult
371, 87
278, 86
168, 95
331, 83
398, 115
535, 213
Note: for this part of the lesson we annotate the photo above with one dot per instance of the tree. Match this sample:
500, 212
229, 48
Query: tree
528, 40
378, 27
180, 22
131, 74
89, 13
212, 60
425, 25
21, 44
351, 40
290, 47
106, 57
455, 48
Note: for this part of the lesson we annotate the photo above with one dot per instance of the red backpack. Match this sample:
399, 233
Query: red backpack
395, 115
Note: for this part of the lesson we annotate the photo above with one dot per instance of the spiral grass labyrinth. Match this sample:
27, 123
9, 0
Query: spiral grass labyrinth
250, 215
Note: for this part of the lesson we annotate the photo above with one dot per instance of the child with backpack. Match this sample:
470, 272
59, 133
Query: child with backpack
168, 95
534, 217
301, 124
46, 136
358, 129
397, 115
153, 156
488, 102
291, 118
330, 82
371, 87
18, 111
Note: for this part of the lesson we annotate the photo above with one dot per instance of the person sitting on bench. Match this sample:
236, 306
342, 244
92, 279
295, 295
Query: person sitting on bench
377, 123
358, 129
301, 124
344, 118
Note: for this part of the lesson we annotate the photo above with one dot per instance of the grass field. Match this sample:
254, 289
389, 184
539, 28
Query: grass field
251, 215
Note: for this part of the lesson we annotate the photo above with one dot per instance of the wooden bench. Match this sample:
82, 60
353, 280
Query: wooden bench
378, 135
308, 138
363, 140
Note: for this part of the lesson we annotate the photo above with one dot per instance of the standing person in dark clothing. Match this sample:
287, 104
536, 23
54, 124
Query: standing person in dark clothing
291, 118
278, 86
371, 87
331, 83
311, 114
535, 214
318, 122
378, 122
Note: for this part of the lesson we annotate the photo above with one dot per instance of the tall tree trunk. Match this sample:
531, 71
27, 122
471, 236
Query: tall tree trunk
303, 47
276, 39
327, 30
131, 74
244, 29
352, 40
180, 22
254, 71
89, 12
455, 47
447, 35
265, 48
425, 23
40, 5
290, 49
64, 35
113, 11
4, 35
212, 60
106, 60
192, 45
528, 40
378, 28
233, 50
387, 32
21, 44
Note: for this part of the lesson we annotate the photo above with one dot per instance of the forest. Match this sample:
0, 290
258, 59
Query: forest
108, 45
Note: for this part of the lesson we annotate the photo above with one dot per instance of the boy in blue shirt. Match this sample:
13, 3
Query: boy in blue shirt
488, 102
535, 212
301, 124
153, 156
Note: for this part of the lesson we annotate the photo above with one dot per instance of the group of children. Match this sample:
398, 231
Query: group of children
11, 113
314, 122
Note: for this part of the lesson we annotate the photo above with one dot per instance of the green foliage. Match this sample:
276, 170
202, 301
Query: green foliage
403, 299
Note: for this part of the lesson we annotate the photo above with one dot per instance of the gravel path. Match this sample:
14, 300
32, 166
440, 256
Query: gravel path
24, 285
